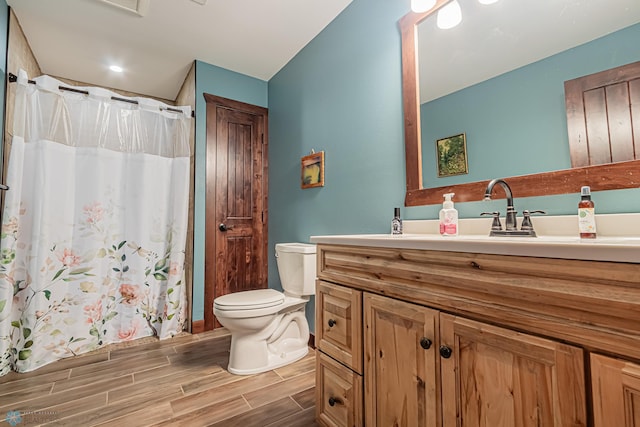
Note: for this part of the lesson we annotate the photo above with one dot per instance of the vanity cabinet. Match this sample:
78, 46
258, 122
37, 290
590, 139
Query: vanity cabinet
466, 339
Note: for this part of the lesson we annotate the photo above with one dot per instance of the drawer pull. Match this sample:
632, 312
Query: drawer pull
425, 343
334, 400
331, 323
445, 351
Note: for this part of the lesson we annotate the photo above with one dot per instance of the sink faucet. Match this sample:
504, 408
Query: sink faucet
510, 221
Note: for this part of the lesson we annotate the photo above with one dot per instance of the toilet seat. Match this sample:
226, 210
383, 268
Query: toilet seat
249, 300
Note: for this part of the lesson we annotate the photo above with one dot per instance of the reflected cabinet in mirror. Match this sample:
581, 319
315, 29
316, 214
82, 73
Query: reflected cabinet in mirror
502, 85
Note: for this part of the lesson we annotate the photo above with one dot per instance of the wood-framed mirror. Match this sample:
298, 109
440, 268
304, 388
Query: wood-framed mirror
610, 176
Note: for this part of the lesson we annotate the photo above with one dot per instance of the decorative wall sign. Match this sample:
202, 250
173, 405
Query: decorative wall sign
312, 173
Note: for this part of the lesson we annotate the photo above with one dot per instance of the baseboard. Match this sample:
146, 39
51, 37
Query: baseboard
197, 326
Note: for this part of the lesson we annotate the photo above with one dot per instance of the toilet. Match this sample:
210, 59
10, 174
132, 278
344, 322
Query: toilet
269, 328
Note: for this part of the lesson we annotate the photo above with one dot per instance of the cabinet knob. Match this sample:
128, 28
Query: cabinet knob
331, 323
445, 351
425, 343
334, 400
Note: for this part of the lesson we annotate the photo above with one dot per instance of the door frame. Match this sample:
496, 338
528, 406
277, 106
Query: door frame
211, 226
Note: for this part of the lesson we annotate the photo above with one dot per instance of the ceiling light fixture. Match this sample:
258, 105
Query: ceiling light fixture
419, 6
115, 69
449, 16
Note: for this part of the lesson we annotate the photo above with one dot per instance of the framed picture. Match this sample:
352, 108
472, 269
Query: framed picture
452, 155
312, 174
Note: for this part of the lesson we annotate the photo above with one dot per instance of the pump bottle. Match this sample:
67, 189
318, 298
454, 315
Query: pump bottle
448, 217
396, 222
586, 214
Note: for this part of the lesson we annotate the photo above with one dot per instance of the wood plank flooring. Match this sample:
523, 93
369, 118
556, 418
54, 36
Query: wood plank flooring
181, 381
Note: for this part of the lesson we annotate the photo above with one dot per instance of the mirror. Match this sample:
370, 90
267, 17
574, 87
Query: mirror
602, 177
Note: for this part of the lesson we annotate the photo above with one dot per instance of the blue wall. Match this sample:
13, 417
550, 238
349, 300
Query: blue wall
341, 94
228, 84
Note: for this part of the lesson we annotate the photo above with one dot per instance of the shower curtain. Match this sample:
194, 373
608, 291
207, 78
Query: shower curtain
94, 223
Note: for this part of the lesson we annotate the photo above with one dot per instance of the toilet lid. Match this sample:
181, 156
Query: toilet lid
249, 300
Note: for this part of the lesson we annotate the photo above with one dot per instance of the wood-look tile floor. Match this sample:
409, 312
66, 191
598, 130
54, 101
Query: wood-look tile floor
181, 381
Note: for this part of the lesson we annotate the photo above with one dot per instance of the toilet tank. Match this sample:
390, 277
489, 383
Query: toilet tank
297, 268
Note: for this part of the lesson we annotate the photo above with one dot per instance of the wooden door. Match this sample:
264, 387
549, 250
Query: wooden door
495, 377
236, 221
616, 392
400, 364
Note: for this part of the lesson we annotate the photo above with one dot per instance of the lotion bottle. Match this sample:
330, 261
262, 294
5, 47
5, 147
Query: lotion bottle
586, 214
448, 217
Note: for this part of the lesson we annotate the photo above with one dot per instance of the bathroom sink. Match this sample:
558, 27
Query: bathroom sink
614, 248
618, 238
540, 240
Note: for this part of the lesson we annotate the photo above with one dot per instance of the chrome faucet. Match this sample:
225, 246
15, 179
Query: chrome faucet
510, 220
511, 226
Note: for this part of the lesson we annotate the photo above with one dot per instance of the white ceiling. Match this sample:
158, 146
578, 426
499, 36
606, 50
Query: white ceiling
494, 39
80, 39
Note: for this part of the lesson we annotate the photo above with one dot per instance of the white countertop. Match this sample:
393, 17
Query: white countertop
613, 246
605, 249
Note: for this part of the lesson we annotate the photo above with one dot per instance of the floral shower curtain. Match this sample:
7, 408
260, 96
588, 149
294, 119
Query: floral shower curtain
94, 224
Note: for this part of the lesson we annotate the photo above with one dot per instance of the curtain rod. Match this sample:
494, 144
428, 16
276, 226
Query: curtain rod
13, 78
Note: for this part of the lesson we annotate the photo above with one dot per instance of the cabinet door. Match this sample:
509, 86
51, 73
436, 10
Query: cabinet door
339, 323
400, 364
616, 392
495, 377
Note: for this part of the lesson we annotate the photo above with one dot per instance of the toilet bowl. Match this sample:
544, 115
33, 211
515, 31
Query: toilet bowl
269, 328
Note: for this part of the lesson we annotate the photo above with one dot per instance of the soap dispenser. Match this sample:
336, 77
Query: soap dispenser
448, 217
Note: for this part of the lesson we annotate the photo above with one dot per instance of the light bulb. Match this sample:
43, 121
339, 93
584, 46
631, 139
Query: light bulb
487, 1
115, 68
450, 15
419, 6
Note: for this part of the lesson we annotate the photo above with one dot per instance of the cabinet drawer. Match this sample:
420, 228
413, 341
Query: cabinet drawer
338, 394
339, 323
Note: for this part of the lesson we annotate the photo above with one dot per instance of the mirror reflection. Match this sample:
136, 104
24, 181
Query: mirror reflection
515, 123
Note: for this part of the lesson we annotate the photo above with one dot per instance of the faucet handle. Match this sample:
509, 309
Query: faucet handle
526, 219
495, 225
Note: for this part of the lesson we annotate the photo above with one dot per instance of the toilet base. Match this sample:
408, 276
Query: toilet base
274, 362
283, 341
